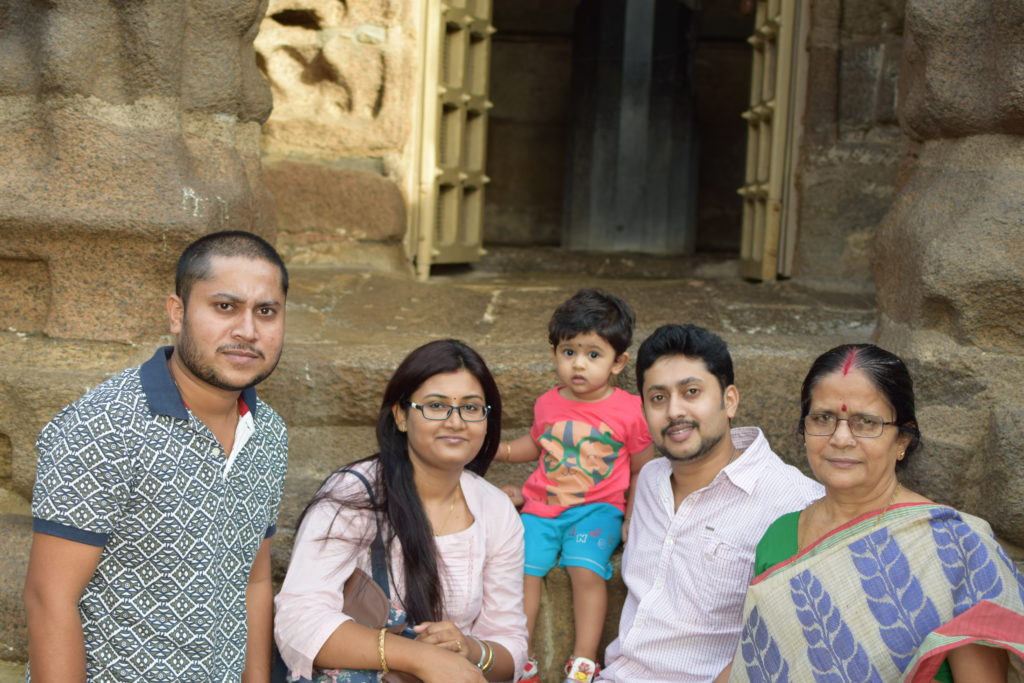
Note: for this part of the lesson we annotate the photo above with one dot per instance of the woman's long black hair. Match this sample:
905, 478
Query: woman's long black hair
397, 503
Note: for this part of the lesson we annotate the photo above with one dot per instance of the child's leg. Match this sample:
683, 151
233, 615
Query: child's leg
531, 604
589, 605
587, 547
542, 540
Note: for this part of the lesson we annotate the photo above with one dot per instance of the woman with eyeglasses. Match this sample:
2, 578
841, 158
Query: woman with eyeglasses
874, 582
454, 542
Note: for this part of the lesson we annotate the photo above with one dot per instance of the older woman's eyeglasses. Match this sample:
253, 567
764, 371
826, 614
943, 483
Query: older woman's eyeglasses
469, 412
863, 426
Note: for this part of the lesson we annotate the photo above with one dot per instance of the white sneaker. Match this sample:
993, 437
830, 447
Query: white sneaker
580, 670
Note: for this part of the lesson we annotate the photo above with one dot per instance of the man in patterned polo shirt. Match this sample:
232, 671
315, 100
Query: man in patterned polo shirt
158, 491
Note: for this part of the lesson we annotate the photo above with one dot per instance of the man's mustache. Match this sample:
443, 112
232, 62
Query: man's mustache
677, 423
240, 347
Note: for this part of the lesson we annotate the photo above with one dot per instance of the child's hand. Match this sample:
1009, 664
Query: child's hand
625, 530
515, 494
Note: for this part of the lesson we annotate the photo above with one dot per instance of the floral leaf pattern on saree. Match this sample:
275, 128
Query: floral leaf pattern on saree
834, 654
894, 595
761, 653
971, 573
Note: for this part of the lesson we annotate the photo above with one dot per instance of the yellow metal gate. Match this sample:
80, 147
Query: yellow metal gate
777, 91
446, 212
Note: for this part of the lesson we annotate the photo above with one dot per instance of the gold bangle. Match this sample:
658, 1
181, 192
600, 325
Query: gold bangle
508, 451
380, 651
490, 657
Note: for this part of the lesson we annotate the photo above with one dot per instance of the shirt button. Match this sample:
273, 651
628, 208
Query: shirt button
214, 451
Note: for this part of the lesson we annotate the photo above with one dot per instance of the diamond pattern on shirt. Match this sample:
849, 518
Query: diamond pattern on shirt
167, 600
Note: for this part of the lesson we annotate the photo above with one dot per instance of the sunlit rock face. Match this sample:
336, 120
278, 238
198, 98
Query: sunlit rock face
127, 130
949, 256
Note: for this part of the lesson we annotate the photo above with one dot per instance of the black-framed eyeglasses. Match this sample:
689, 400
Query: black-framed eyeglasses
469, 412
863, 426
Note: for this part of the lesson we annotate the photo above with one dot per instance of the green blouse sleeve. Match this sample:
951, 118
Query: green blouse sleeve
778, 544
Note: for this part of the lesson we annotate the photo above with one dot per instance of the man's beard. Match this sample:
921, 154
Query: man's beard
706, 445
191, 359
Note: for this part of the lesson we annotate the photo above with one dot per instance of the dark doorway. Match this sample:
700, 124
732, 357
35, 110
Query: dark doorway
583, 152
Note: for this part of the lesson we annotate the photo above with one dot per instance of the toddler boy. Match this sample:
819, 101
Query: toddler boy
591, 439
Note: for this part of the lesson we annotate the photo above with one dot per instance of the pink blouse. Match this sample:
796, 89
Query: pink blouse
481, 571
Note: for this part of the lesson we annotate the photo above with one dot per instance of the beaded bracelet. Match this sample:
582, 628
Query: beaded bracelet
380, 651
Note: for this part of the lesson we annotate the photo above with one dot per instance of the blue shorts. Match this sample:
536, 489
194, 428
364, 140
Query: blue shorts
582, 536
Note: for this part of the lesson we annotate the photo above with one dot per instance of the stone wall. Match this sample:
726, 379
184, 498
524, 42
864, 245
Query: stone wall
949, 257
127, 130
849, 159
336, 148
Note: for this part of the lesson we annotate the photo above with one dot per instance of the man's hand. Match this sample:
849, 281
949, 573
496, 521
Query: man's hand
58, 571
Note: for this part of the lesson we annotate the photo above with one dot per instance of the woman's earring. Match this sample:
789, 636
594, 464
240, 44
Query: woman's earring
900, 456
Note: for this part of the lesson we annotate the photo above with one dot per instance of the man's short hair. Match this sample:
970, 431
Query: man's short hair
591, 310
194, 263
690, 341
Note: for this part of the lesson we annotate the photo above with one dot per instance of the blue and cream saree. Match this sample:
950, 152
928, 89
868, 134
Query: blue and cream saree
883, 598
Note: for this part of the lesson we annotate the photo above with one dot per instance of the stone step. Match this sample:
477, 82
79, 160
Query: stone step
349, 329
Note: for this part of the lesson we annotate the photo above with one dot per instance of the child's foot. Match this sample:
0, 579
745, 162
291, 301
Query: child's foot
531, 673
580, 670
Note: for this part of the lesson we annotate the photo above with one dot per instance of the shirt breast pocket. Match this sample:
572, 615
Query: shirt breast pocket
727, 570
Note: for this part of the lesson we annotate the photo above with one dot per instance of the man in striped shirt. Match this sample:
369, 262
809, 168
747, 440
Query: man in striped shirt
698, 514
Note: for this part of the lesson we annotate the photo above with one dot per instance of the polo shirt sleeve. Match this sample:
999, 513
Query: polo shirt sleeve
279, 464
81, 479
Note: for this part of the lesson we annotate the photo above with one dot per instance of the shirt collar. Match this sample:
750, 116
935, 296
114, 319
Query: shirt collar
744, 471
162, 393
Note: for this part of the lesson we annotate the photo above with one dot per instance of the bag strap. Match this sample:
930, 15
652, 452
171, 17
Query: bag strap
378, 558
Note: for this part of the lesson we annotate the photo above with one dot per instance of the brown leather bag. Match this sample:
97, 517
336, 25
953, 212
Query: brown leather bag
366, 600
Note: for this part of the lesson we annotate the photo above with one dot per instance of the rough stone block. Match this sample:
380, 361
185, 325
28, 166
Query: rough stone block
15, 539
1003, 486
845, 193
960, 75
323, 209
868, 74
342, 77
873, 17
25, 305
949, 255
821, 107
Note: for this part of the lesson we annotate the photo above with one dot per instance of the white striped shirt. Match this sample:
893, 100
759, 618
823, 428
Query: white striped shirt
687, 570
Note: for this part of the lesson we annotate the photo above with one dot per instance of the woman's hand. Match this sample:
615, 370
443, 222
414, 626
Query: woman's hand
448, 667
454, 658
445, 635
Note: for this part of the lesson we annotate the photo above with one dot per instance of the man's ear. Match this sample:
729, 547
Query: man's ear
731, 399
620, 362
175, 313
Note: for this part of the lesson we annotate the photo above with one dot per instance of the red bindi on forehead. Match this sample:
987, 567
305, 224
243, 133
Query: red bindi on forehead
843, 407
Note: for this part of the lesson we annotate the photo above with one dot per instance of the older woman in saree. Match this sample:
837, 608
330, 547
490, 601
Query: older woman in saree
874, 582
